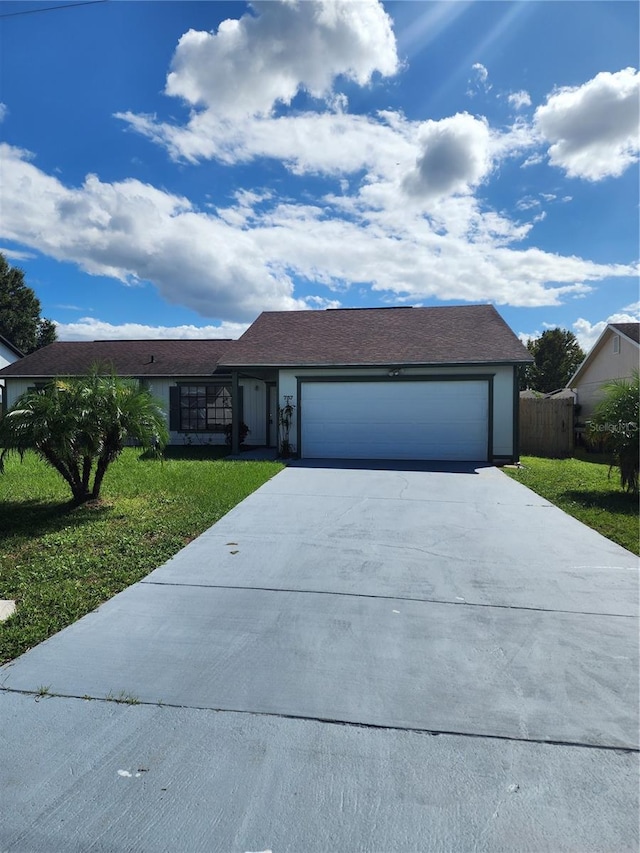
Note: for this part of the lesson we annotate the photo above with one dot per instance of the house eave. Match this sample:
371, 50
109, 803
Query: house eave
130, 375
324, 365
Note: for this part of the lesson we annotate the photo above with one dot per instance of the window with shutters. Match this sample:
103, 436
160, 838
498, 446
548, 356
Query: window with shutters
204, 408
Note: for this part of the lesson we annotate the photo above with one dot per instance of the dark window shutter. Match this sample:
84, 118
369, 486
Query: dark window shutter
174, 407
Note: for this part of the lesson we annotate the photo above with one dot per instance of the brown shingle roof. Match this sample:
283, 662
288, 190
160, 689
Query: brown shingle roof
128, 358
468, 334
631, 330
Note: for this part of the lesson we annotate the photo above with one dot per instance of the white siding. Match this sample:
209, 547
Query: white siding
16, 387
605, 365
7, 356
254, 403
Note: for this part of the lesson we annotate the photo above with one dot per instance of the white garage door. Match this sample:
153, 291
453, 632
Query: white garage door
395, 420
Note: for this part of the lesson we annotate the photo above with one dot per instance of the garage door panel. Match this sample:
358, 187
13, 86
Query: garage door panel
401, 420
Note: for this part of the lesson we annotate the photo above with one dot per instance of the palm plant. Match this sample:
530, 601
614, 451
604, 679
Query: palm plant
615, 425
80, 425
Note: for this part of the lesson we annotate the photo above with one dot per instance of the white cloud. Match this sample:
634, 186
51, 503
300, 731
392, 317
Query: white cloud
520, 99
16, 255
134, 232
253, 63
236, 261
527, 203
533, 160
91, 329
588, 333
455, 156
479, 80
594, 129
481, 72
327, 143
4, 111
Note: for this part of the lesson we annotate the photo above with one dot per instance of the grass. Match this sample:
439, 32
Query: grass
584, 488
59, 562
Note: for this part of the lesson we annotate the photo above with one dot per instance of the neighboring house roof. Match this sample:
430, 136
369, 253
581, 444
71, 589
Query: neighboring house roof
14, 349
468, 334
128, 358
630, 330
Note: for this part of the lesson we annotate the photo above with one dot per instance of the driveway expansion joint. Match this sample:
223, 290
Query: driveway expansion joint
626, 750
389, 598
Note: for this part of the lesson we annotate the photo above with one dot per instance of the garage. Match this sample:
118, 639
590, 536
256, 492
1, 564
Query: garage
396, 419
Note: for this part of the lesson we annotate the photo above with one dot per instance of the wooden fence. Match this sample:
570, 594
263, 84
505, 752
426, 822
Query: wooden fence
546, 426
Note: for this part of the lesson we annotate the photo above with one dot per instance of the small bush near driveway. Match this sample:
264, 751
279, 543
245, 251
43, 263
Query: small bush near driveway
587, 490
59, 562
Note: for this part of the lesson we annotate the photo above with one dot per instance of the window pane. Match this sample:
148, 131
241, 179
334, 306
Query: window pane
205, 407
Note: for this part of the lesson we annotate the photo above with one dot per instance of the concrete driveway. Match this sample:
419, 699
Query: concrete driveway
353, 659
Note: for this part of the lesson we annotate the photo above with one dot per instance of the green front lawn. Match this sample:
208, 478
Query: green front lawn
59, 563
583, 488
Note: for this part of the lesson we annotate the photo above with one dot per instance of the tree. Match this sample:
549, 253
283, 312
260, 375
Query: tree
557, 356
20, 310
615, 426
46, 333
79, 426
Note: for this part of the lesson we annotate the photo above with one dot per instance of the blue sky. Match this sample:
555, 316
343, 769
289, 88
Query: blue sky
174, 168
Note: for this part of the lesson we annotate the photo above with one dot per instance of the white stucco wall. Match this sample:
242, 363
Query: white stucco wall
502, 394
605, 365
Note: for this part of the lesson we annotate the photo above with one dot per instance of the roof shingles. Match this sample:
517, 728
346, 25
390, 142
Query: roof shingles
127, 358
631, 330
469, 334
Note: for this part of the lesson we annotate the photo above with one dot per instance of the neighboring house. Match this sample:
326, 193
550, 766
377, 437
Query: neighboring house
615, 355
8, 354
385, 383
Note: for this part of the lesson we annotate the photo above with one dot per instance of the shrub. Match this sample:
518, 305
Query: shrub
615, 427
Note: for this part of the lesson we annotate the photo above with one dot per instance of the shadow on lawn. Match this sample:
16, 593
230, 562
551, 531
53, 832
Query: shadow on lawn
193, 452
620, 502
34, 517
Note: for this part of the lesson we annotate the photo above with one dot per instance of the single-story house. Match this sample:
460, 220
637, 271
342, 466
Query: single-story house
367, 383
8, 354
390, 383
615, 355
